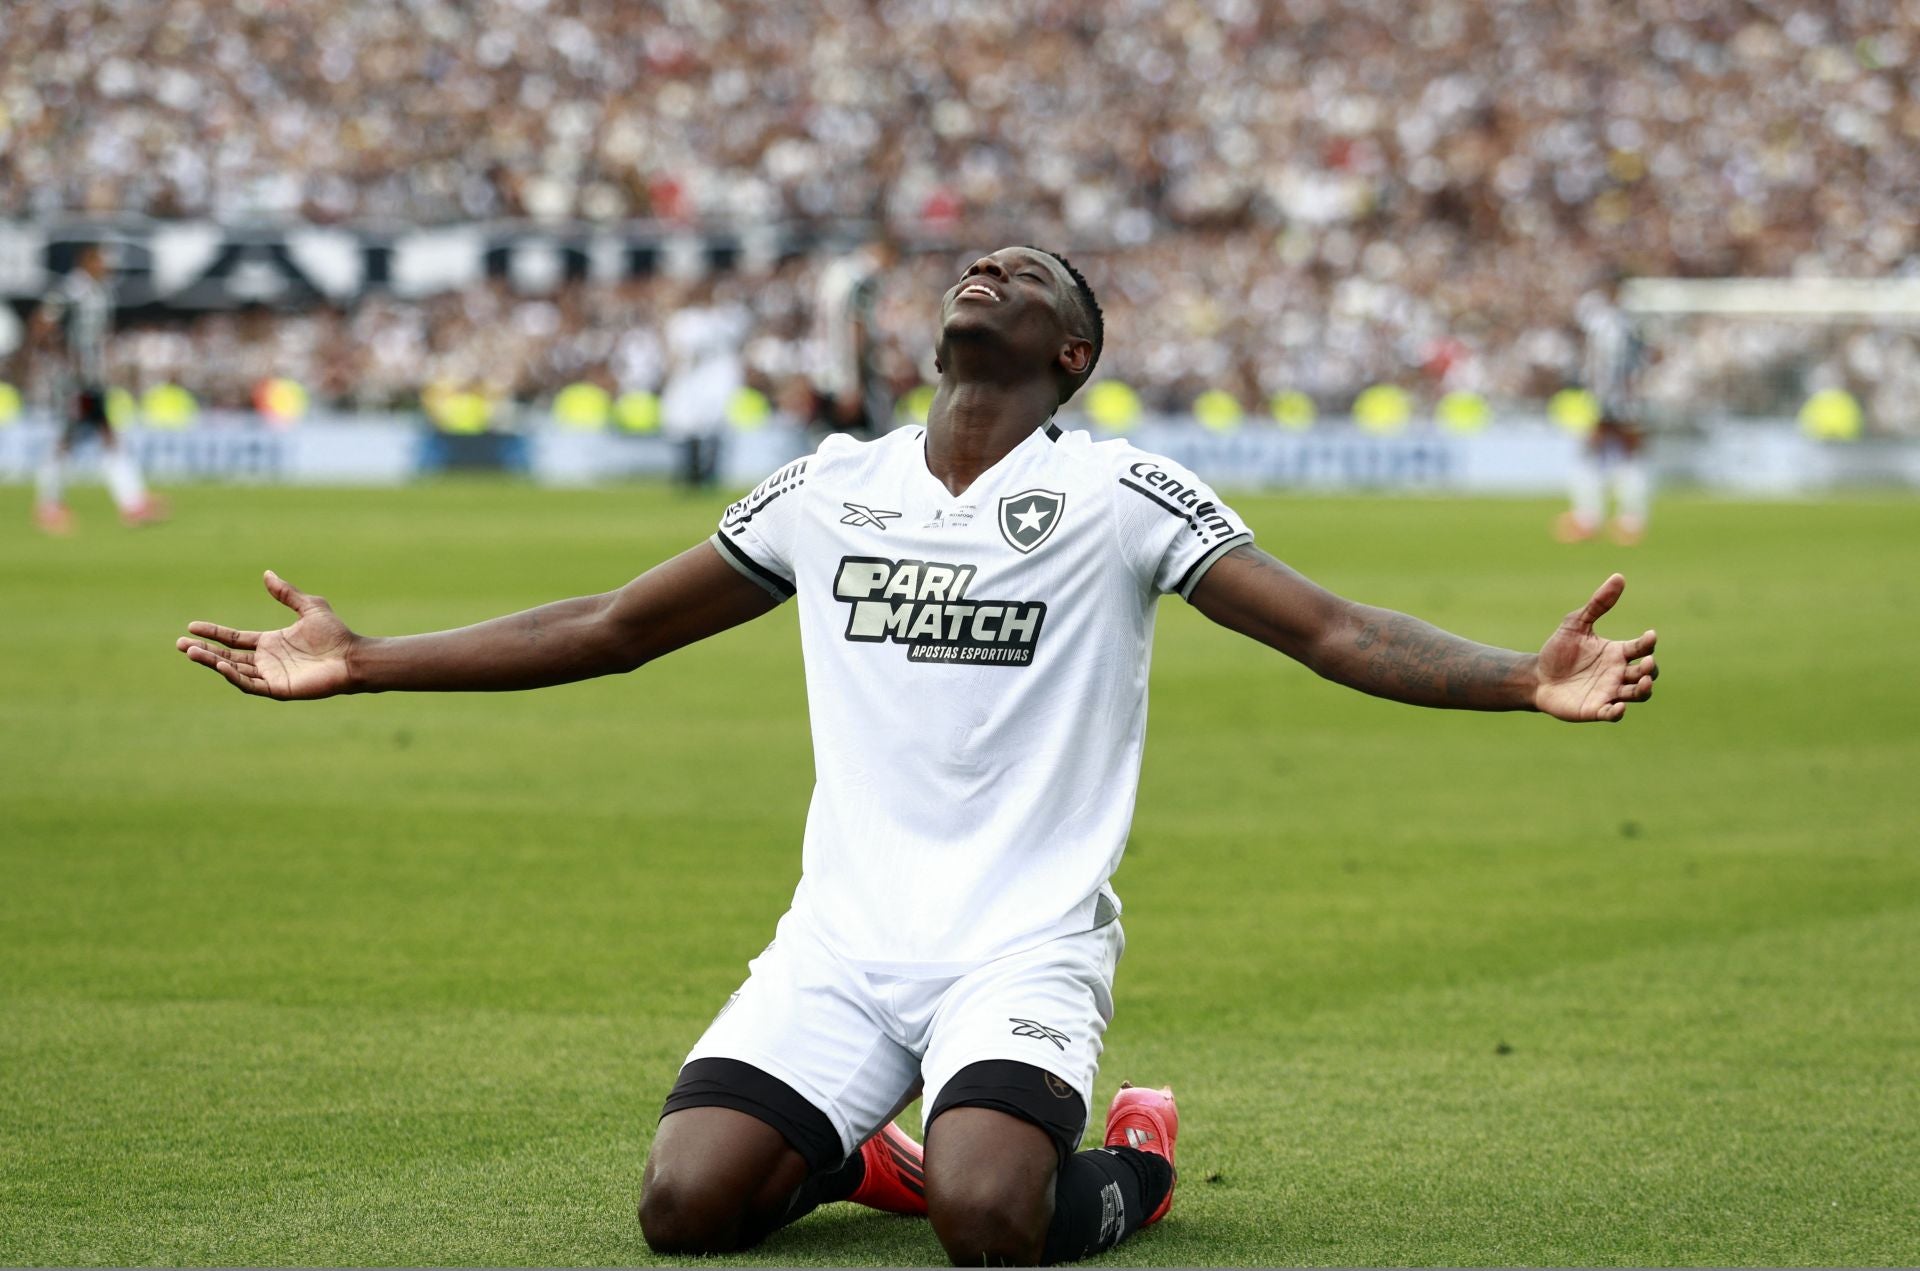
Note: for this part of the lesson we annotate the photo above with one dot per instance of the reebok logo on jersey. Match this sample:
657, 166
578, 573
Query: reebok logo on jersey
1027, 519
924, 605
858, 515
1034, 1028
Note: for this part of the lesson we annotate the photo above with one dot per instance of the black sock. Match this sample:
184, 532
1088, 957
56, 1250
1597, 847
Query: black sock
838, 1183
1101, 1198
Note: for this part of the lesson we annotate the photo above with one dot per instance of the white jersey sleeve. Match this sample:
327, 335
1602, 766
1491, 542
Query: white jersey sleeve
758, 535
1172, 526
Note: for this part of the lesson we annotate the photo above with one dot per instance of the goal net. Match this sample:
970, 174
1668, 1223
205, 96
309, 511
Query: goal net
1841, 356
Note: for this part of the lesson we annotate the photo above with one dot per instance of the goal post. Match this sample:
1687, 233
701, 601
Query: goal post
1805, 299
1838, 356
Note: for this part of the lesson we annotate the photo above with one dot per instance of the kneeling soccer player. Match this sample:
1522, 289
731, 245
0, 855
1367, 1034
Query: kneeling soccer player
977, 601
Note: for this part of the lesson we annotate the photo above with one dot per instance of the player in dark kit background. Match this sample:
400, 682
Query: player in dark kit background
1617, 357
77, 315
849, 385
788, 1101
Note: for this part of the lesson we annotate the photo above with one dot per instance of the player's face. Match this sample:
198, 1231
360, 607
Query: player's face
1015, 296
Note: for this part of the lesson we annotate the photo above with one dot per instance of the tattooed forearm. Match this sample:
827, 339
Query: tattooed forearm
1374, 650
1392, 655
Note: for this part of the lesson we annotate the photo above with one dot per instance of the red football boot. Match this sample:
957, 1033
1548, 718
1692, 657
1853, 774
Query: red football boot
1147, 1120
53, 518
150, 510
896, 1180
1568, 528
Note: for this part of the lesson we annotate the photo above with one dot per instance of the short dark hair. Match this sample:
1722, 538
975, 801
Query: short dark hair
1089, 305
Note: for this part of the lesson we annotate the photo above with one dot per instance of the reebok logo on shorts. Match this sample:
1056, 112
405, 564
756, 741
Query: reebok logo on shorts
1033, 1028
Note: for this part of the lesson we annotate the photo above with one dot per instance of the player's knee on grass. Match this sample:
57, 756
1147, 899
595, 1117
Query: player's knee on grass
678, 1218
988, 1222
682, 1213
990, 1179
717, 1181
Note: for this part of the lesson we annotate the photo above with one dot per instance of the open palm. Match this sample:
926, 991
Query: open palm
1585, 677
305, 660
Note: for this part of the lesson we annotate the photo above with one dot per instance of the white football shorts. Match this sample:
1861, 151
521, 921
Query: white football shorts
853, 1042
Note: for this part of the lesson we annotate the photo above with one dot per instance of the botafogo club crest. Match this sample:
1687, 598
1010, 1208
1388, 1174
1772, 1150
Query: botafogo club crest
1027, 518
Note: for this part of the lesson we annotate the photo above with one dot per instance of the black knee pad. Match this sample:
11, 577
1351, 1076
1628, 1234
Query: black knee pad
729, 1083
1021, 1090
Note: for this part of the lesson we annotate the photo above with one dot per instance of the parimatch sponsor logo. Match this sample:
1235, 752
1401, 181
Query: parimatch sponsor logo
924, 605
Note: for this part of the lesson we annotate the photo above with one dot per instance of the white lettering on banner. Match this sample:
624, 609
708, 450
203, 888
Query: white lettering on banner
559, 456
1330, 462
354, 453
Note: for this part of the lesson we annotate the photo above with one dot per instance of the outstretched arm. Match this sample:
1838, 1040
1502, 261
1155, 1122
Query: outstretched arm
1577, 675
688, 598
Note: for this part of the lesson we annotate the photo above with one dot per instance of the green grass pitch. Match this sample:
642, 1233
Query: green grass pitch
404, 979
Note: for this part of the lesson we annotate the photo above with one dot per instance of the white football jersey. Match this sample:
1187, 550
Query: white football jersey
977, 679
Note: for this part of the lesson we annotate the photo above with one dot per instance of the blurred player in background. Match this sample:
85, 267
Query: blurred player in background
704, 372
977, 602
77, 316
1616, 356
850, 390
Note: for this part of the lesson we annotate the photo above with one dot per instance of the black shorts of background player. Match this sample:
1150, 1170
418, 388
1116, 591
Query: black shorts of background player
87, 418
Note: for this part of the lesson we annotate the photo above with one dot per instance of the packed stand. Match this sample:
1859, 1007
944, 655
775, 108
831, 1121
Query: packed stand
1308, 194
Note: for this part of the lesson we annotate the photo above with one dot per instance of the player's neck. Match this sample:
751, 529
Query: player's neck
974, 424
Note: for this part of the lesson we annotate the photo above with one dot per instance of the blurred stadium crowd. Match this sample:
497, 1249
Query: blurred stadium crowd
1292, 195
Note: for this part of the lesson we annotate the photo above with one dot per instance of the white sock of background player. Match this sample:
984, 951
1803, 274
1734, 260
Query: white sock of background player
123, 480
50, 481
1632, 493
1589, 492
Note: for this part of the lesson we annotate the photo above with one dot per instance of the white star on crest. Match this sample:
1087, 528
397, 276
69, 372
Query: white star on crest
1031, 518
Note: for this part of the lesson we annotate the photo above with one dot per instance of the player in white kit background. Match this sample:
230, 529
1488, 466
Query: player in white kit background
977, 602
704, 371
